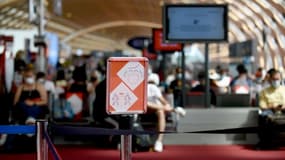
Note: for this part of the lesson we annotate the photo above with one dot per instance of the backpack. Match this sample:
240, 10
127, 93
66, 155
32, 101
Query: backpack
241, 86
140, 142
62, 109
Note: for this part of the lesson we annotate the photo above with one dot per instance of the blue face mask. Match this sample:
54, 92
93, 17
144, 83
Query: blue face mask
276, 83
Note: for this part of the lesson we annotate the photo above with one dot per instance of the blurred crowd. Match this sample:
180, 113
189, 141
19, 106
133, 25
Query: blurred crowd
82, 77
78, 91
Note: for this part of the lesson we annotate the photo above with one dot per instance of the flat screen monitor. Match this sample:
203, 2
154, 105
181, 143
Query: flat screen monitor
195, 23
159, 45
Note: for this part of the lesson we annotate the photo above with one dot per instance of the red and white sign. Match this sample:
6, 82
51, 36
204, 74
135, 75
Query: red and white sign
159, 45
126, 85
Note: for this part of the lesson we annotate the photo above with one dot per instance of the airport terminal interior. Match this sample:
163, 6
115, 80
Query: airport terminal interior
142, 79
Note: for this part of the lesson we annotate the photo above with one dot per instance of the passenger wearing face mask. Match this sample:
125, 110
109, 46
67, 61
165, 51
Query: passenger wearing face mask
271, 102
30, 99
273, 97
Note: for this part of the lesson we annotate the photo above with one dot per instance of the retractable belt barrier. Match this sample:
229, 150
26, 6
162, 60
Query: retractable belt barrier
17, 129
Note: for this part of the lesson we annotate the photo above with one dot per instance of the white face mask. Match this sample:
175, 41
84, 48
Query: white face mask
41, 80
30, 80
275, 83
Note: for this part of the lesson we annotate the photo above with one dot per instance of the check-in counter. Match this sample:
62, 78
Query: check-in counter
233, 100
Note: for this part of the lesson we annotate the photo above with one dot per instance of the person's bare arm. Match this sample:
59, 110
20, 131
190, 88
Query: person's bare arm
262, 102
43, 94
17, 95
282, 107
90, 88
166, 105
154, 106
163, 100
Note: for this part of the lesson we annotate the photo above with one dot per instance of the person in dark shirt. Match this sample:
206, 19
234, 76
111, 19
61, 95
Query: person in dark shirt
201, 87
99, 108
100, 115
241, 80
79, 76
19, 63
101, 118
176, 88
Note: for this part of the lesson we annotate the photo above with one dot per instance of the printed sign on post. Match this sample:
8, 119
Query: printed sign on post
126, 85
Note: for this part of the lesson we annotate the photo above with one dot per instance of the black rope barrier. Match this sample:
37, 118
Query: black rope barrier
52, 148
76, 130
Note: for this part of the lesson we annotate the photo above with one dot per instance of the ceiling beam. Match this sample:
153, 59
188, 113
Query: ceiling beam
4, 3
111, 24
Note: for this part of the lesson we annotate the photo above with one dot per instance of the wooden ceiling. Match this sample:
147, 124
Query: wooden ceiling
113, 15
108, 24
93, 12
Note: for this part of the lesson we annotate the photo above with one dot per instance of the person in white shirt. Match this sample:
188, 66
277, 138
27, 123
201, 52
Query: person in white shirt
157, 103
49, 85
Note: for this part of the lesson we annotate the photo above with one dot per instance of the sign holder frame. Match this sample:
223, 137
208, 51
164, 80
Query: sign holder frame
126, 84
131, 77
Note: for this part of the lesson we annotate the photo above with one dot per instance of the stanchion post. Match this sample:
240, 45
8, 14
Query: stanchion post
126, 147
126, 140
207, 85
42, 146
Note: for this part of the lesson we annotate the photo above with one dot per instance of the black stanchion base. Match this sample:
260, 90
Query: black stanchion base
140, 142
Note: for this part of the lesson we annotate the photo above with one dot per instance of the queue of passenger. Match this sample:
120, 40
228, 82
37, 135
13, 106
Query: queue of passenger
266, 90
221, 82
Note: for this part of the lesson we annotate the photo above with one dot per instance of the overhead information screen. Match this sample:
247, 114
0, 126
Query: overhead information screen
184, 23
